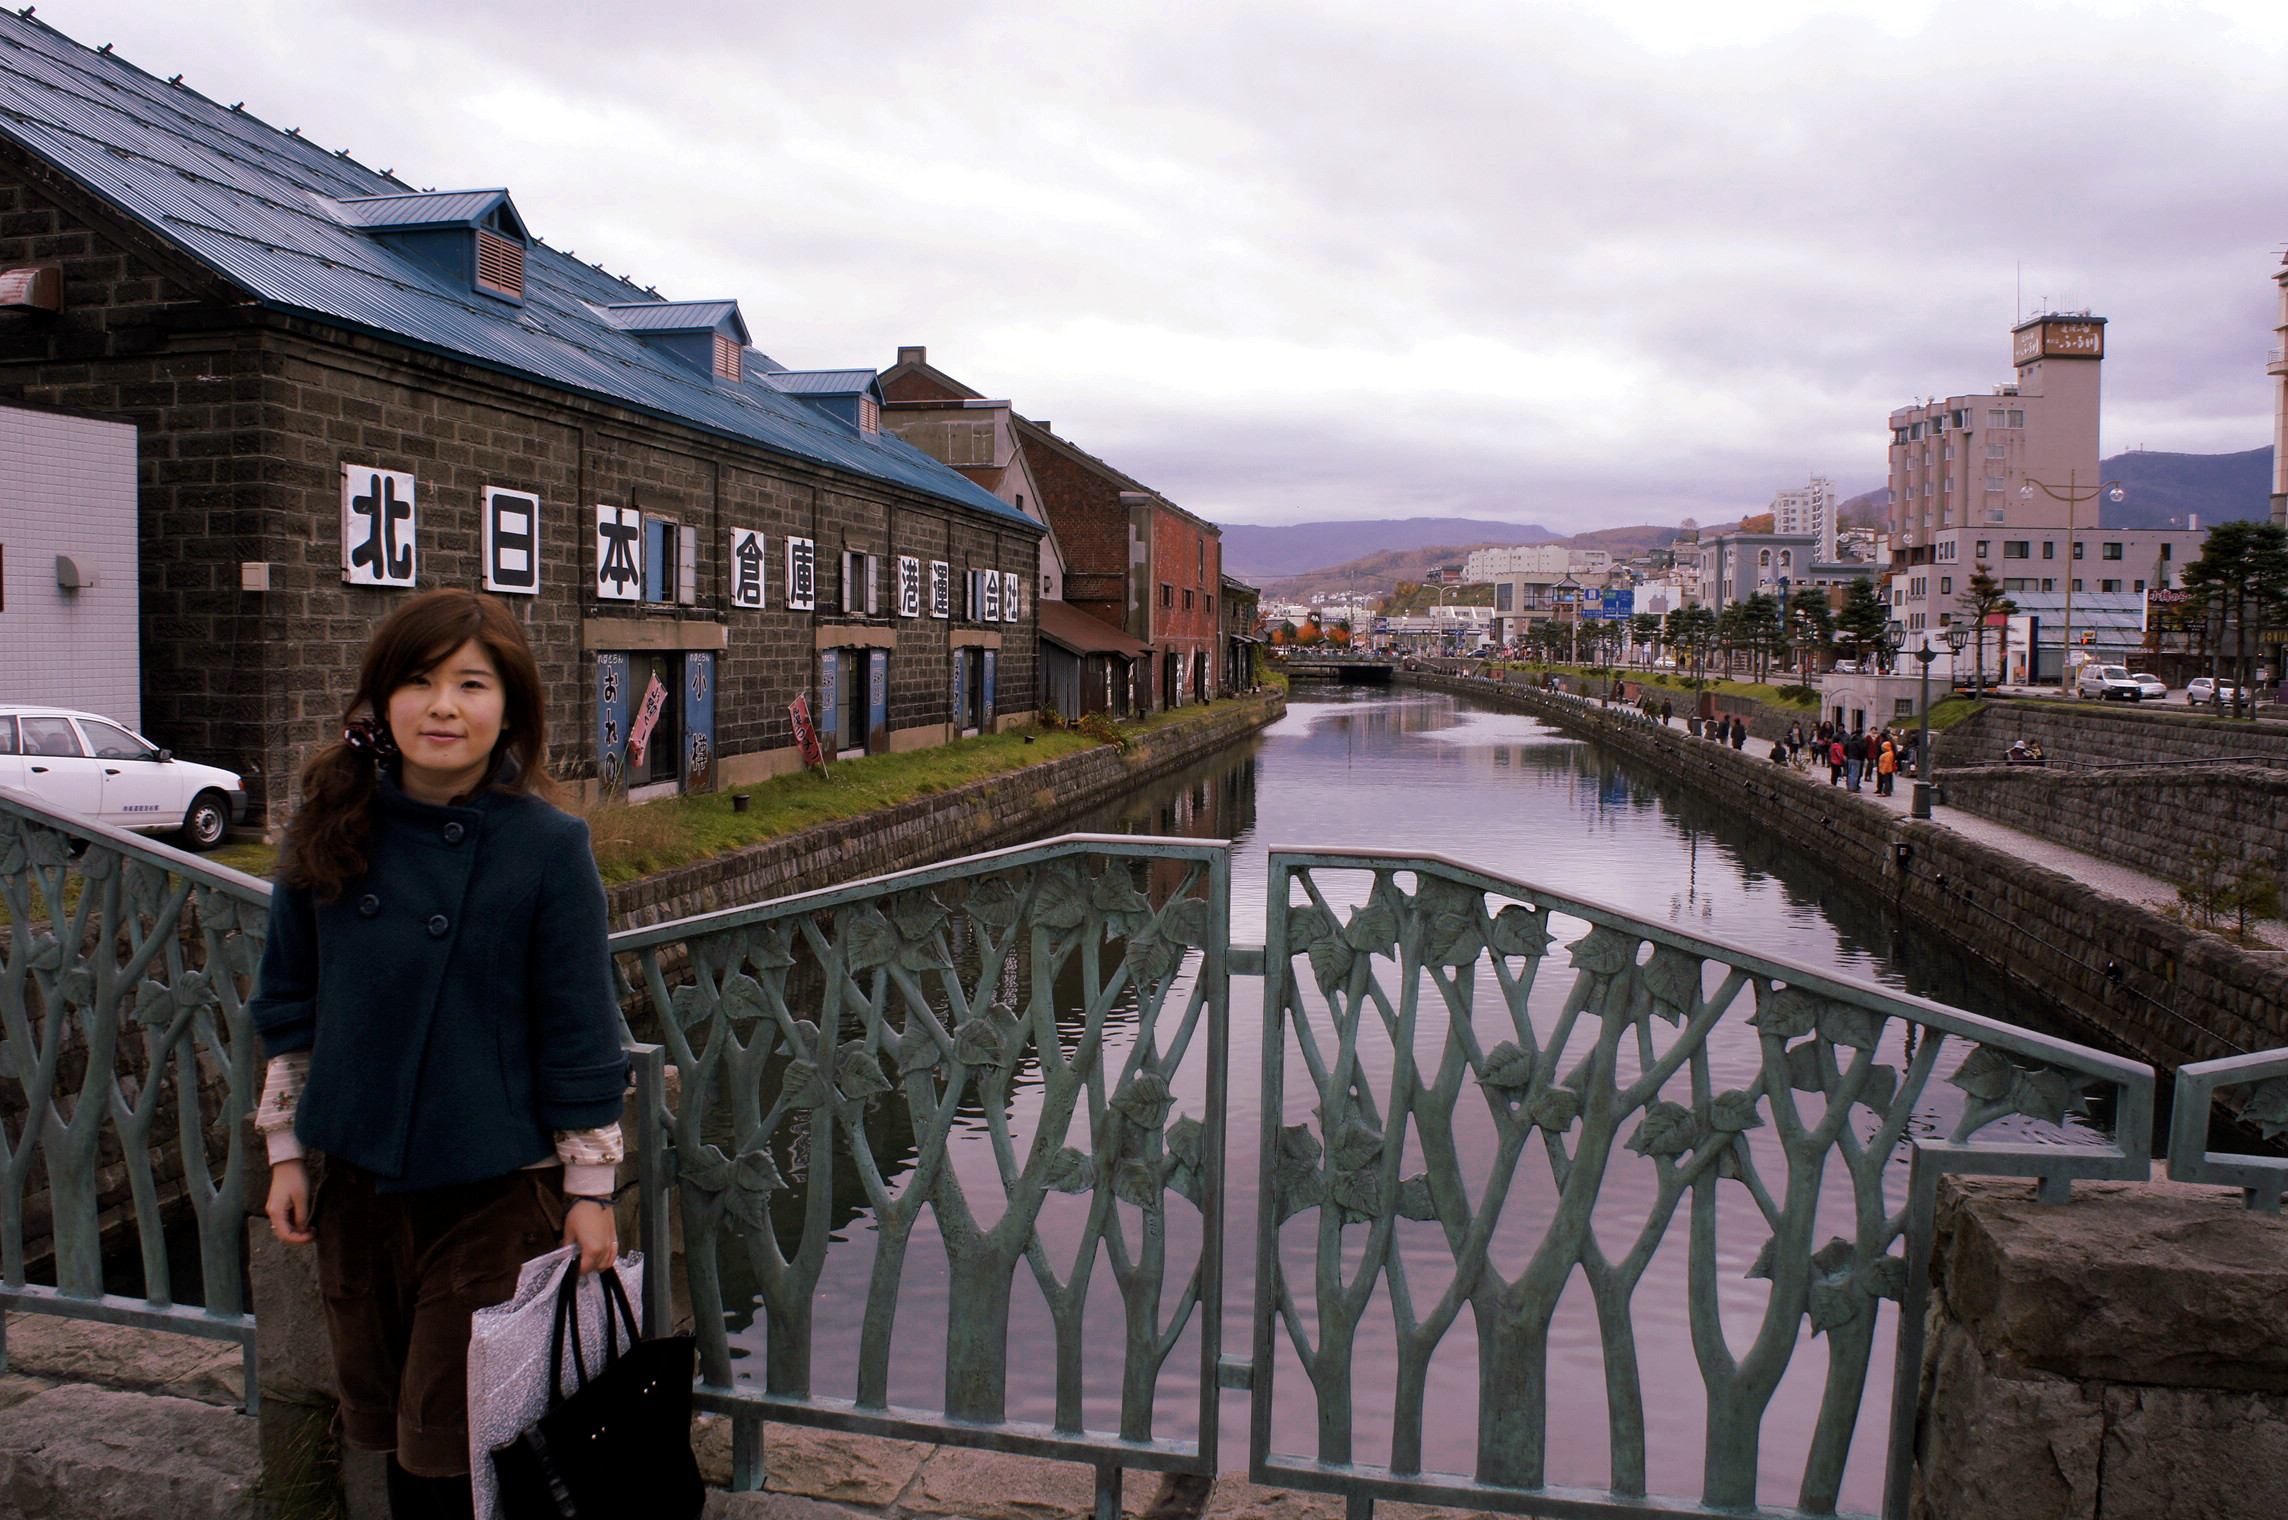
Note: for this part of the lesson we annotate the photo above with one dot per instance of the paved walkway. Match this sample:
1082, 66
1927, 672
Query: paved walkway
2092, 871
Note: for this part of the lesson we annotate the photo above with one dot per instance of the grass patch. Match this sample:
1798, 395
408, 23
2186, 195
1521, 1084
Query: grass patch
1761, 691
1953, 710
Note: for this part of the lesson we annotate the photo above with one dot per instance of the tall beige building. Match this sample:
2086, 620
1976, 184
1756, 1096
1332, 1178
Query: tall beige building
2277, 368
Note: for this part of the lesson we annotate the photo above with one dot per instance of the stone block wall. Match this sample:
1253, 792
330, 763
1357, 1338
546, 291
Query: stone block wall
2122, 1355
983, 815
2130, 979
2106, 733
2149, 818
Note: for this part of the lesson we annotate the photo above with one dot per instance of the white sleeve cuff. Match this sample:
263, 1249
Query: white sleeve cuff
283, 1146
590, 1180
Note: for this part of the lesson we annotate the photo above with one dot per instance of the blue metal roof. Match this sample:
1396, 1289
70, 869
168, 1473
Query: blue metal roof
674, 316
263, 208
823, 382
408, 209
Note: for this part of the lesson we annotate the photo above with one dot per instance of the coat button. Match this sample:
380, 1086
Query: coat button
368, 905
454, 833
438, 926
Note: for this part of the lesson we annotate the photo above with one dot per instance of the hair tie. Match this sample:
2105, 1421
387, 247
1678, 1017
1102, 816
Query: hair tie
370, 738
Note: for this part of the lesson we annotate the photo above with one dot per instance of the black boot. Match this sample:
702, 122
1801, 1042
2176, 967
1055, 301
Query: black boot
412, 1497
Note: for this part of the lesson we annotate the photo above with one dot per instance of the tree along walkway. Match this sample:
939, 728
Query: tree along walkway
2093, 871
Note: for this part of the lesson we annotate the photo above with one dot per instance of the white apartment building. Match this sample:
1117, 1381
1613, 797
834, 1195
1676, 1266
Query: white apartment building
1553, 560
1809, 509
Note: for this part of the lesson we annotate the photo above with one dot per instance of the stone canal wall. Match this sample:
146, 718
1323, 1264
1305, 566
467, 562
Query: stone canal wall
2109, 733
981, 815
2139, 982
2147, 817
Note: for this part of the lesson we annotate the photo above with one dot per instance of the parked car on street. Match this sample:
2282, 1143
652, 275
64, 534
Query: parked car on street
2113, 683
2155, 689
92, 766
2210, 690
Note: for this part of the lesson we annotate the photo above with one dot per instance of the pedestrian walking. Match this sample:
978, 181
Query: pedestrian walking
1667, 711
1794, 738
437, 1009
1739, 733
1854, 760
1886, 766
1835, 762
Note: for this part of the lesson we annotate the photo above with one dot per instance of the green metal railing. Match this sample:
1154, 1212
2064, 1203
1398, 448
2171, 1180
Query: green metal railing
1009, 1072
127, 1070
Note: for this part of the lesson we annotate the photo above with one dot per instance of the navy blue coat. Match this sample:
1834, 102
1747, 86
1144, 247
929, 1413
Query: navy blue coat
456, 1000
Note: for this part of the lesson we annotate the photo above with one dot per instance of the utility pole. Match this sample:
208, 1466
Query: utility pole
2073, 497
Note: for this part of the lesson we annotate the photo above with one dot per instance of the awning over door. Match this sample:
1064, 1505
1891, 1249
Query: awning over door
1073, 630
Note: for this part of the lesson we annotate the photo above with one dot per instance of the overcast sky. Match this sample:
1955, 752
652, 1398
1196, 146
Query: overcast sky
1581, 264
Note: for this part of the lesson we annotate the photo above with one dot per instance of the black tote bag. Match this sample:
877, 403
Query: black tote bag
618, 1446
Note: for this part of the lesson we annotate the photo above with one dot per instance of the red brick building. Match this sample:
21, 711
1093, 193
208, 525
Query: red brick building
1122, 552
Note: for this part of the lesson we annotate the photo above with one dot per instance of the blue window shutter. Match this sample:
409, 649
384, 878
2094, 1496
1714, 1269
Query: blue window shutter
698, 721
611, 720
985, 717
877, 699
829, 701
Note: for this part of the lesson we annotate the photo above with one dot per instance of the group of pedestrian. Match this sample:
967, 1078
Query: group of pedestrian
1724, 730
1850, 756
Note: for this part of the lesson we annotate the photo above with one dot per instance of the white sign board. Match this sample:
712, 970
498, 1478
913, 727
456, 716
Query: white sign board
619, 554
378, 526
747, 568
512, 541
909, 586
801, 574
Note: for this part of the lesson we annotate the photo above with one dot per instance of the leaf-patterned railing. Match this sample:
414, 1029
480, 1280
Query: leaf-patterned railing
1065, 999
127, 1069
2259, 1085
1412, 1027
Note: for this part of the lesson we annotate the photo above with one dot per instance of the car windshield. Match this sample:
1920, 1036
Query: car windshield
2114, 673
111, 742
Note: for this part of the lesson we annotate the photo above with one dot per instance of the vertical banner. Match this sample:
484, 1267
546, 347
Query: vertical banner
802, 576
378, 526
959, 706
806, 734
698, 721
646, 719
877, 701
619, 554
985, 706
747, 569
940, 589
511, 524
611, 722
909, 586
830, 700
1009, 596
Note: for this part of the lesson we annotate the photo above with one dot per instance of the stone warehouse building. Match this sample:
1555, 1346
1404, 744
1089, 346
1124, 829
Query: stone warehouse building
346, 388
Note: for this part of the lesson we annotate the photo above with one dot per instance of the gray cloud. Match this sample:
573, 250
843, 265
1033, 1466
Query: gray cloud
1307, 259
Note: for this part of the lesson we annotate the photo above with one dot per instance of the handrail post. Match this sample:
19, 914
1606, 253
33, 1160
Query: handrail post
650, 1062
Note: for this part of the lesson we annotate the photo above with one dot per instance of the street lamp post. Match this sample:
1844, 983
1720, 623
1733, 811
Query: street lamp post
2073, 496
1920, 806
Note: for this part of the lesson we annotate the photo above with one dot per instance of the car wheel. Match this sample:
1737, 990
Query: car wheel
206, 822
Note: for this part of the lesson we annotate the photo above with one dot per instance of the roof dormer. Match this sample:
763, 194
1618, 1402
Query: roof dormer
854, 395
474, 236
706, 336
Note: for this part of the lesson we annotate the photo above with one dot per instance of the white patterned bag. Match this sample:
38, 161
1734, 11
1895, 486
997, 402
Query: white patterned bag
508, 1357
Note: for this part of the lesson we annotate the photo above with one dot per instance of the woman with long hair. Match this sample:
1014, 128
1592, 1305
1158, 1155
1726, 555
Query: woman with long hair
436, 1000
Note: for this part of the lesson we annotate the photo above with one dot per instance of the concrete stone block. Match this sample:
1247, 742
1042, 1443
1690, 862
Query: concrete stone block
991, 1485
2157, 1283
1234, 1498
295, 1361
1994, 1445
16, 1387
2194, 1454
62, 1350
816, 1464
80, 1453
770, 1506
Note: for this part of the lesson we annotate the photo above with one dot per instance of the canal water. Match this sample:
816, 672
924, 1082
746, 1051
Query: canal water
1442, 774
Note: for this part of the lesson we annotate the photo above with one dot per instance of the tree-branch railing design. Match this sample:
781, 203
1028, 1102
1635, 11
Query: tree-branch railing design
1411, 1019
127, 1069
935, 994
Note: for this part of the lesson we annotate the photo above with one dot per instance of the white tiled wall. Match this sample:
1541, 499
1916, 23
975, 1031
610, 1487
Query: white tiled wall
67, 486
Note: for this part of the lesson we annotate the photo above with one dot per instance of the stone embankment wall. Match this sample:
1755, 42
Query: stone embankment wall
2142, 983
2121, 1355
2108, 733
982, 815
2147, 817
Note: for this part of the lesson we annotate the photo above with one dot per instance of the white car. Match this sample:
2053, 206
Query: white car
2210, 690
2111, 682
92, 766
2155, 689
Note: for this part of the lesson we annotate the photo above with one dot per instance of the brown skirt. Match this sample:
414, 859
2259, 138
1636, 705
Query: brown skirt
401, 1274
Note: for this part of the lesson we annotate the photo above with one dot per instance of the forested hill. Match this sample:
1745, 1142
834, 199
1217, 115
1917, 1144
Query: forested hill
2162, 490
1257, 552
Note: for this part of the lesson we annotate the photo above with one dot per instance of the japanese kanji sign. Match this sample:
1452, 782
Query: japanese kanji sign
991, 611
647, 719
378, 526
940, 589
801, 574
747, 568
909, 586
512, 541
806, 734
619, 554
1009, 590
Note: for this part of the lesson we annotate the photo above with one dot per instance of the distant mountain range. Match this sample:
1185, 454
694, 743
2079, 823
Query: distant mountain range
2163, 490
1261, 553
1385, 568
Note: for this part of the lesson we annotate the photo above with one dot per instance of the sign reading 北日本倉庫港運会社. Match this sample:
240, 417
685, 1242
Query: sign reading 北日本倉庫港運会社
619, 554
511, 535
747, 568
